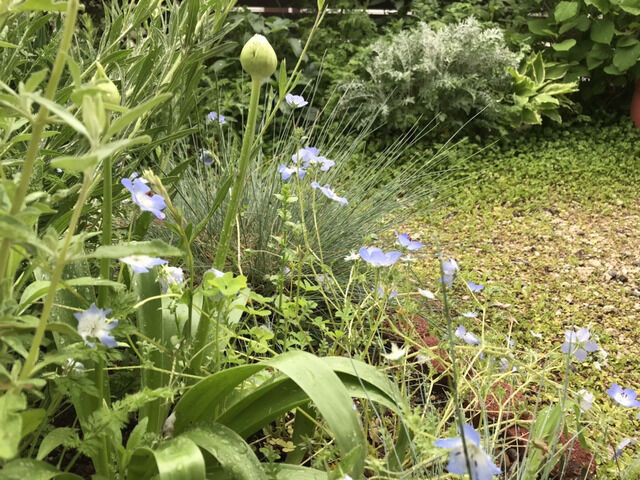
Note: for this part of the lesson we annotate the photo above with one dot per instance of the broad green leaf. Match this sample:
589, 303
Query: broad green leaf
627, 41
11, 403
602, 31
31, 419
66, 116
566, 10
175, 459
602, 5
565, 45
234, 454
537, 68
629, 6
55, 438
26, 468
627, 57
153, 248
42, 5
542, 26
134, 114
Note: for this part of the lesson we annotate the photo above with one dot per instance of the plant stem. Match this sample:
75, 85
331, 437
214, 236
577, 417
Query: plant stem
55, 279
107, 207
34, 143
238, 186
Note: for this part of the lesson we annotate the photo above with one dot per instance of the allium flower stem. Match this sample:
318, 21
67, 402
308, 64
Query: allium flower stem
238, 186
38, 126
107, 207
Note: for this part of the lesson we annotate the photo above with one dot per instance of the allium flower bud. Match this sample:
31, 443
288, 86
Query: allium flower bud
258, 58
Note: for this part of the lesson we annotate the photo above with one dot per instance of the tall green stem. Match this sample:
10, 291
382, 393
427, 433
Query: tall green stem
55, 278
36, 134
238, 186
107, 204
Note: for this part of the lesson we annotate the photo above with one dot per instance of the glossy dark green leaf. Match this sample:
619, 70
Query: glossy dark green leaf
175, 459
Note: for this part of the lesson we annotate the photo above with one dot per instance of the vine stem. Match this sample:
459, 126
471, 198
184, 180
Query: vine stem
36, 135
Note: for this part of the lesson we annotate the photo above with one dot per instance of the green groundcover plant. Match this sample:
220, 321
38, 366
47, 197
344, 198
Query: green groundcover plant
120, 359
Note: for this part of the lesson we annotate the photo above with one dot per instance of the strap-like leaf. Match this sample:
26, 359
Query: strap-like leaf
234, 454
176, 459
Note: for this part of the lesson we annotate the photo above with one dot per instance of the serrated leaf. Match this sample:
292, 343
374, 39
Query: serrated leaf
153, 248
60, 436
565, 10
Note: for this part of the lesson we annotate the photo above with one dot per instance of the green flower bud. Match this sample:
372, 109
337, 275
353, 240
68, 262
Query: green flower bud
109, 91
258, 58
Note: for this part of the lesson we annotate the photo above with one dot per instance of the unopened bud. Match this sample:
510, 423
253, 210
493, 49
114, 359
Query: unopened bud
108, 89
258, 58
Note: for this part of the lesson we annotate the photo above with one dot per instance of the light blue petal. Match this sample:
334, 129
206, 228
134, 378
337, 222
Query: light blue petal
471, 434
590, 346
580, 355
448, 443
457, 462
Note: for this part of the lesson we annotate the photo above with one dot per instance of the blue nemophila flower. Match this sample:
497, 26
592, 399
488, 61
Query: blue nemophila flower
295, 101
142, 263
621, 446
206, 158
93, 323
306, 155
286, 172
143, 196
325, 163
449, 269
482, 468
170, 276
625, 397
407, 243
215, 116
377, 258
326, 190
468, 337
475, 287
578, 344
381, 292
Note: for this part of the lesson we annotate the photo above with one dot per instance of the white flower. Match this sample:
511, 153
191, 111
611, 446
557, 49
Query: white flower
470, 314
534, 334
142, 263
396, 353
351, 257
426, 293
93, 323
586, 400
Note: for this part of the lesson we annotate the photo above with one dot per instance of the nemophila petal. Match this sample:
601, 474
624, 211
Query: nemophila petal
450, 267
621, 446
427, 293
325, 163
306, 156
381, 293
446, 280
286, 172
327, 192
586, 400
93, 323
482, 468
475, 287
406, 242
470, 314
206, 158
142, 263
215, 116
468, 337
377, 258
578, 343
590, 346
171, 276
143, 197
296, 101
580, 354
625, 397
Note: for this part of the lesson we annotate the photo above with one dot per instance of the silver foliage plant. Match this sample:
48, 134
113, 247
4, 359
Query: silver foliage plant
451, 73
